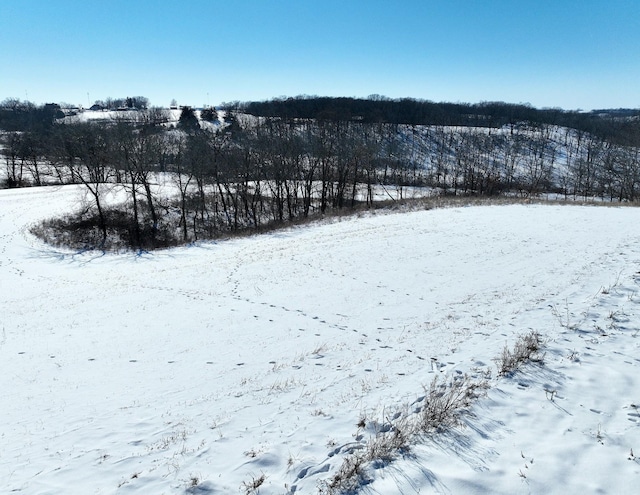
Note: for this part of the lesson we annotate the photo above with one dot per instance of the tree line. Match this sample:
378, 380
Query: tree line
619, 125
148, 184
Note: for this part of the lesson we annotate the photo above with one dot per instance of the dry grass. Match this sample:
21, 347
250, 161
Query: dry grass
526, 348
442, 406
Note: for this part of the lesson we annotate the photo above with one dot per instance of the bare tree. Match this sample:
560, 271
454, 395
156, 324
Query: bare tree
86, 152
12, 142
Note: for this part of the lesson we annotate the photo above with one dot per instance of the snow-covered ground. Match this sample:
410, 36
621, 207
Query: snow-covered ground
202, 369
172, 115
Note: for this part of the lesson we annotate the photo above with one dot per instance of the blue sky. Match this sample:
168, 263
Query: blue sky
563, 53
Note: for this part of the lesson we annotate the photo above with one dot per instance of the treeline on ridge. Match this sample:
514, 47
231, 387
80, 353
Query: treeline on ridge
619, 125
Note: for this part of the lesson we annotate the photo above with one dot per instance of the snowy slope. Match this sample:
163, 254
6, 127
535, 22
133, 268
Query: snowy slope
200, 369
172, 115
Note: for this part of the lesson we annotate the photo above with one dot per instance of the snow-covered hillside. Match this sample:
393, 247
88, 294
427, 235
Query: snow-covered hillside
170, 115
205, 369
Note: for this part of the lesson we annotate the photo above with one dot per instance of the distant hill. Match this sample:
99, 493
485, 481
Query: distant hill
619, 125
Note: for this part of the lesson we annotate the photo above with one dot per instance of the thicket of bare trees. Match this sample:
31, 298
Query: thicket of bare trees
149, 185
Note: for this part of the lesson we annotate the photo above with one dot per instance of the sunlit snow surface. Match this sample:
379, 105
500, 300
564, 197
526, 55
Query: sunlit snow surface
215, 364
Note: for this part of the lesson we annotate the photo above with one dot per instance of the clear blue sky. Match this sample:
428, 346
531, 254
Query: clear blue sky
549, 53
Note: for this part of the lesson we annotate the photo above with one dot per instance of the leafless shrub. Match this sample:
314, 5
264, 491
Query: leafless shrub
81, 230
386, 445
526, 348
194, 480
349, 478
444, 402
564, 316
251, 487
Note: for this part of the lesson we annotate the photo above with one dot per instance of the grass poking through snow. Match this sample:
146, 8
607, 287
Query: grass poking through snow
442, 406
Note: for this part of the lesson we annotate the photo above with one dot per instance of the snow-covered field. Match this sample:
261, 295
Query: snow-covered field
202, 369
114, 115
